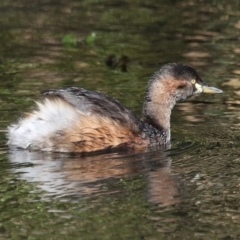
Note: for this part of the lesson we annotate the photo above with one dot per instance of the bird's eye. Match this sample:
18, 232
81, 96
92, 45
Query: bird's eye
193, 81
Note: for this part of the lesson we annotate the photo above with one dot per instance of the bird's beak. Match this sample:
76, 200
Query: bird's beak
207, 89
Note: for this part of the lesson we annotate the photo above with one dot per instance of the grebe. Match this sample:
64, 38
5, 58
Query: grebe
78, 120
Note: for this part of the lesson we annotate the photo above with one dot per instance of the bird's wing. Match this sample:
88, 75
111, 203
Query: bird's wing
96, 103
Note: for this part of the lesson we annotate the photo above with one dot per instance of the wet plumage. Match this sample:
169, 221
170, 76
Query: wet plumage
78, 120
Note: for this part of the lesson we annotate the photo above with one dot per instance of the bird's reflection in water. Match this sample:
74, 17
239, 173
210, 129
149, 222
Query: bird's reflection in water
65, 175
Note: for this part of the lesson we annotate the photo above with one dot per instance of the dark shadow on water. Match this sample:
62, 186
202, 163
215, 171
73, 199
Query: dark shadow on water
71, 176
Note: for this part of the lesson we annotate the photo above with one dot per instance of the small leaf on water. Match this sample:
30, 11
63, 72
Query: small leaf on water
91, 38
69, 40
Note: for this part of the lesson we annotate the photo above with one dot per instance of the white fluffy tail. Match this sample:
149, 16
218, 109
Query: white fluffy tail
34, 130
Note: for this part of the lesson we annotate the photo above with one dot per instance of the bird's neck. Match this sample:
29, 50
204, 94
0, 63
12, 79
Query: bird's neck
157, 109
158, 116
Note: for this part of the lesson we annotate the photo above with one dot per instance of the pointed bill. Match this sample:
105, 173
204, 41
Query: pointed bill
207, 89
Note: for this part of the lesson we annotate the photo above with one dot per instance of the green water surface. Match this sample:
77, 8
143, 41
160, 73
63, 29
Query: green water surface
191, 191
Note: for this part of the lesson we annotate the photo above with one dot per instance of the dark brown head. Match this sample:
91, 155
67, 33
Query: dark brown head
175, 82
171, 83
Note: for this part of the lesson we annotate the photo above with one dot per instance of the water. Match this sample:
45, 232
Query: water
188, 192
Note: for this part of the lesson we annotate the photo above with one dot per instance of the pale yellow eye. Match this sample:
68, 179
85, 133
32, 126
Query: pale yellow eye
193, 81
